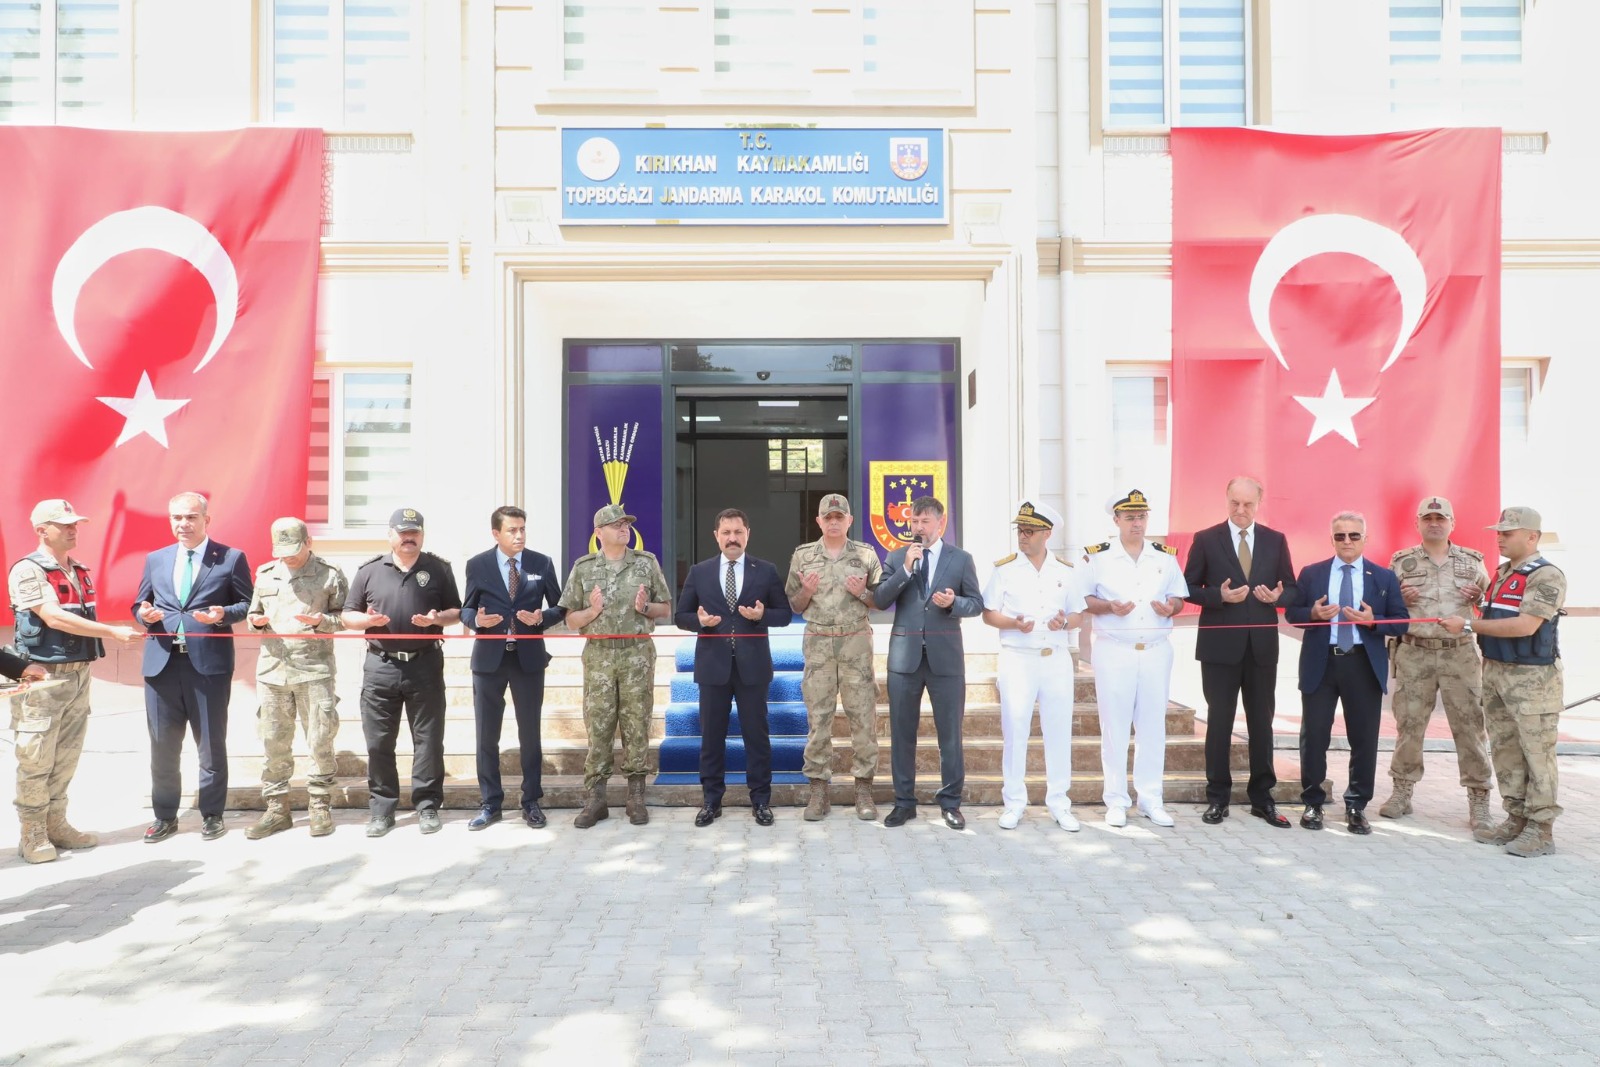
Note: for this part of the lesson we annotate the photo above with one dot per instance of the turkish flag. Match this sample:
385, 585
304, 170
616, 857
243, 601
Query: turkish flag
1336, 329
157, 333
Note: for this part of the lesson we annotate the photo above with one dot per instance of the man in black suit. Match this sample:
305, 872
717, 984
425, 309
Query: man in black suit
505, 587
733, 593
1239, 573
1344, 659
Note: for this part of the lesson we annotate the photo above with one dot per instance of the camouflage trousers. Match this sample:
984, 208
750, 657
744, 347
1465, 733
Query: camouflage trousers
840, 668
315, 707
1522, 704
619, 681
1421, 676
50, 725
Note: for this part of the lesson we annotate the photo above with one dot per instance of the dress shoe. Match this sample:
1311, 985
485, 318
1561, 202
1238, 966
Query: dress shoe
379, 825
1156, 814
428, 821
481, 820
160, 830
1311, 818
1270, 815
899, 815
1065, 819
1116, 816
954, 819
1010, 818
763, 815
1214, 814
1355, 820
212, 828
706, 816
534, 816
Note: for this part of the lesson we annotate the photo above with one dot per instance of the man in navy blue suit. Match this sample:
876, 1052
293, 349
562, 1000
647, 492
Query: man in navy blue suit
505, 588
1344, 659
733, 593
191, 595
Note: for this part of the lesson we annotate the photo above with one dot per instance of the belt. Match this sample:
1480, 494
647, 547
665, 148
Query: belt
1047, 651
180, 649
1137, 646
1337, 651
833, 631
1435, 643
401, 657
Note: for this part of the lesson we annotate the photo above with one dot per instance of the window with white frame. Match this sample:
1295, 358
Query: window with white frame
345, 64
1176, 63
1519, 380
1141, 445
66, 61
360, 446
1455, 60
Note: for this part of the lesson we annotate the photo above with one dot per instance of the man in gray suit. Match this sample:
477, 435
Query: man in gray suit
933, 586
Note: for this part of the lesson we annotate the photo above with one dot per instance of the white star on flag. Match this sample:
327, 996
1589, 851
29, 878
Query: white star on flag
1335, 412
145, 412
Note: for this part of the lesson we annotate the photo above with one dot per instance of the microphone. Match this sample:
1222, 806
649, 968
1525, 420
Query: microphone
916, 568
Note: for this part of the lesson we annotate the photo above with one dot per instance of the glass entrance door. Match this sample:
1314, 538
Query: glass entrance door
771, 454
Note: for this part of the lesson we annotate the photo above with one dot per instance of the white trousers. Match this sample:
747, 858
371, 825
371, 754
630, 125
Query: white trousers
1023, 679
1131, 689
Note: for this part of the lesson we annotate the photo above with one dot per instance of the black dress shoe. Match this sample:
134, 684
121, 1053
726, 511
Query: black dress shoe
160, 830
763, 815
1214, 814
899, 815
428, 820
954, 819
1311, 818
1270, 816
533, 815
484, 818
379, 825
1355, 820
212, 828
706, 816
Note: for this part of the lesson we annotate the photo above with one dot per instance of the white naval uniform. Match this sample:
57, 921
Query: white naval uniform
1133, 666
1035, 667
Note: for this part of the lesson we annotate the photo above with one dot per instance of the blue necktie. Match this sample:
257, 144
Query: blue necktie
1347, 631
185, 587
922, 574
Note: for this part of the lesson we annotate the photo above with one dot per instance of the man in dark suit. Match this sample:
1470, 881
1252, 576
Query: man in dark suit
190, 596
733, 593
1344, 659
505, 587
933, 586
1239, 573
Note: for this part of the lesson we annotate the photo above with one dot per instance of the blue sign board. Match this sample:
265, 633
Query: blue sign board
753, 176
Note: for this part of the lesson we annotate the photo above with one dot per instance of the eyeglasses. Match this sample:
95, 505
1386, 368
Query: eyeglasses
1347, 536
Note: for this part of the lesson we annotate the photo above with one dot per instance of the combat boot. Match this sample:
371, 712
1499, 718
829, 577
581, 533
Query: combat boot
817, 804
1478, 816
866, 810
594, 808
638, 814
321, 817
35, 846
1399, 802
63, 834
274, 820
1536, 839
1503, 834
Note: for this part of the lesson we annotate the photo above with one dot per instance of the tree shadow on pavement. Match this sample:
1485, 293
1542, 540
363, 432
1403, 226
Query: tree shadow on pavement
84, 909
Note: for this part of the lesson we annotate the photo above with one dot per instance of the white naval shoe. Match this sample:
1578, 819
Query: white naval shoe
1065, 819
1156, 814
1116, 816
1010, 818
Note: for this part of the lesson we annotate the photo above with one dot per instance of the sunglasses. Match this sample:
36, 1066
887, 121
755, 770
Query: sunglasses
1347, 537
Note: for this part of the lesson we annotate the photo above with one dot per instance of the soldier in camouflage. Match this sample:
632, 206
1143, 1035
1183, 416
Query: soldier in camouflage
831, 582
1438, 579
297, 592
1521, 683
618, 590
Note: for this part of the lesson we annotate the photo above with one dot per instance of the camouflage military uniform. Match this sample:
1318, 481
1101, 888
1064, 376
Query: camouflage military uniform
1522, 704
838, 655
618, 675
49, 724
296, 677
1429, 662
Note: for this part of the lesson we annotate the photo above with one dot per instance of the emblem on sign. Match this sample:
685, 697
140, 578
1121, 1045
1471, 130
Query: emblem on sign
615, 456
908, 157
894, 485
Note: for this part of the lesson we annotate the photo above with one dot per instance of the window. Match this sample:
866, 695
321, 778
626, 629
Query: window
1517, 383
793, 455
66, 61
1176, 63
360, 446
1141, 450
1455, 60
345, 64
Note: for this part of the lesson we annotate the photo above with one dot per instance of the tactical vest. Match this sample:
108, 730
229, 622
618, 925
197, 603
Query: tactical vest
1505, 602
41, 644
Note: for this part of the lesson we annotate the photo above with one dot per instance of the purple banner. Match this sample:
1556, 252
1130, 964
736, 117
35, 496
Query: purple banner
613, 457
908, 449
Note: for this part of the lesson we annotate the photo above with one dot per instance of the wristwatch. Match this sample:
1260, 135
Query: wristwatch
1466, 626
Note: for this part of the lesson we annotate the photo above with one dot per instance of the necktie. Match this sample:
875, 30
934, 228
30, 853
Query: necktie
513, 579
923, 566
185, 587
1347, 631
1244, 555
730, 589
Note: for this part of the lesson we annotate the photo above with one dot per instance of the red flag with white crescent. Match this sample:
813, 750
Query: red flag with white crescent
158, 295
1336, 329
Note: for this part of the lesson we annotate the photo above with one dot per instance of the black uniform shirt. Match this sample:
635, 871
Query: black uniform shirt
384, 589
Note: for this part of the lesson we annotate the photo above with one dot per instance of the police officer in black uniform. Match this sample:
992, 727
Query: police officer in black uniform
407, 591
